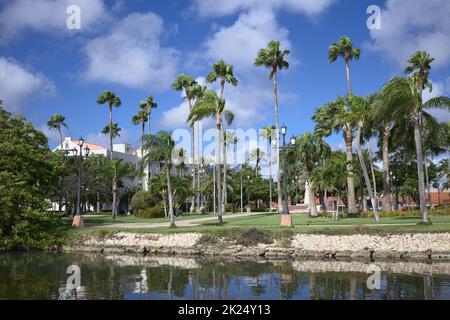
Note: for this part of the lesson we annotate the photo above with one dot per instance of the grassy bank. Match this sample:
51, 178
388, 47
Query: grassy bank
269, 223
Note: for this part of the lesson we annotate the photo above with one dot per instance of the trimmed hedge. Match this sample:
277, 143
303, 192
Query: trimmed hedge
153, 212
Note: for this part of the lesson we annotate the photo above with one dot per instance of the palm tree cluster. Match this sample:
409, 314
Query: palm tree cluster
396, 116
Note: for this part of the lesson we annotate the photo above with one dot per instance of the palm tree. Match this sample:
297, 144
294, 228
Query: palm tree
159, 149
211, 106
110, 98
268, 134
224, 72
336, 115
402, 97
309, 150
361, 108
147, 107
274, 58
140, 119
56, 122
228, 138
113, 131
344, 48
193, 91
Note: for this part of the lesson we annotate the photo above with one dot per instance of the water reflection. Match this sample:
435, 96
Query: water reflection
44, 276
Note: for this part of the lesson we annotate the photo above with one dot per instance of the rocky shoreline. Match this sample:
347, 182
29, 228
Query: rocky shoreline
410, 247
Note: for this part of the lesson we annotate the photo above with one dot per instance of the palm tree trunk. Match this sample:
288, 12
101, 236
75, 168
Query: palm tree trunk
364, 170
114, 195
373, 173
352, 210
170, 196
61, 175
427, 179
270, 173
142, 154
193, 162
347, 68
386, 189
312, 198
422, 197
224, 192
277, 140
198, 168
219, 194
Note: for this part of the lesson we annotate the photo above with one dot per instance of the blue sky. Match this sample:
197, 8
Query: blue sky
136, 48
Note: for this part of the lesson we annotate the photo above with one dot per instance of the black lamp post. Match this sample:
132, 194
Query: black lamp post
78, 222
286, 219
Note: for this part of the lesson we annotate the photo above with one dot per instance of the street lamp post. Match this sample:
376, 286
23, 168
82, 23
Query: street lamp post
286, 218
78, 219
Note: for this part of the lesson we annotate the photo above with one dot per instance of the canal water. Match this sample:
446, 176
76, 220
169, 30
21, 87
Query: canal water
107, 276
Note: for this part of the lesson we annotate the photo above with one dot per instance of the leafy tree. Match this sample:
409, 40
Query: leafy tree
27, 175
273, 58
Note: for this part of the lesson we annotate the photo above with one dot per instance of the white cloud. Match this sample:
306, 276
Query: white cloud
131, 55
408, 26
239, 43
439, 89
46, 16
18, 85
221, 8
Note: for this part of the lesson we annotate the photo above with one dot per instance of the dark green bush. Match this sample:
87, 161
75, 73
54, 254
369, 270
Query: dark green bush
143, 200
153, 212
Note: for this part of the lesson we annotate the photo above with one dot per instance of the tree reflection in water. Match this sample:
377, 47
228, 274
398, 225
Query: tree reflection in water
41, 276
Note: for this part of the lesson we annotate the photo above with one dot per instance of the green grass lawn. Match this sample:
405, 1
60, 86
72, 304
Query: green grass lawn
106, 219
270, 223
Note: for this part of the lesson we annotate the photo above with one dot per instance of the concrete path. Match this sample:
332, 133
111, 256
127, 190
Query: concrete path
180, 223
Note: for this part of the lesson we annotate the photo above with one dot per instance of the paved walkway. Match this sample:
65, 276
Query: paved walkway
180, 223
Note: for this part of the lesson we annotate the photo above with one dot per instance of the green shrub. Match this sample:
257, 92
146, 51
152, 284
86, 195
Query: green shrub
441, 211
143, 200
153, 212
229, 207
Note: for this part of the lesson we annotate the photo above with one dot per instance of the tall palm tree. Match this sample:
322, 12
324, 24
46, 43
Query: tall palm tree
344, 48
56, 122
224, 72
274, 58
147, 106
361, 109
308, 150
159, 149
140, 119
211, 106
268, 134
192, 92
111, 100
336, 115
402, 97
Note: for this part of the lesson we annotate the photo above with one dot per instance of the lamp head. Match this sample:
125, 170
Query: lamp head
283, 129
